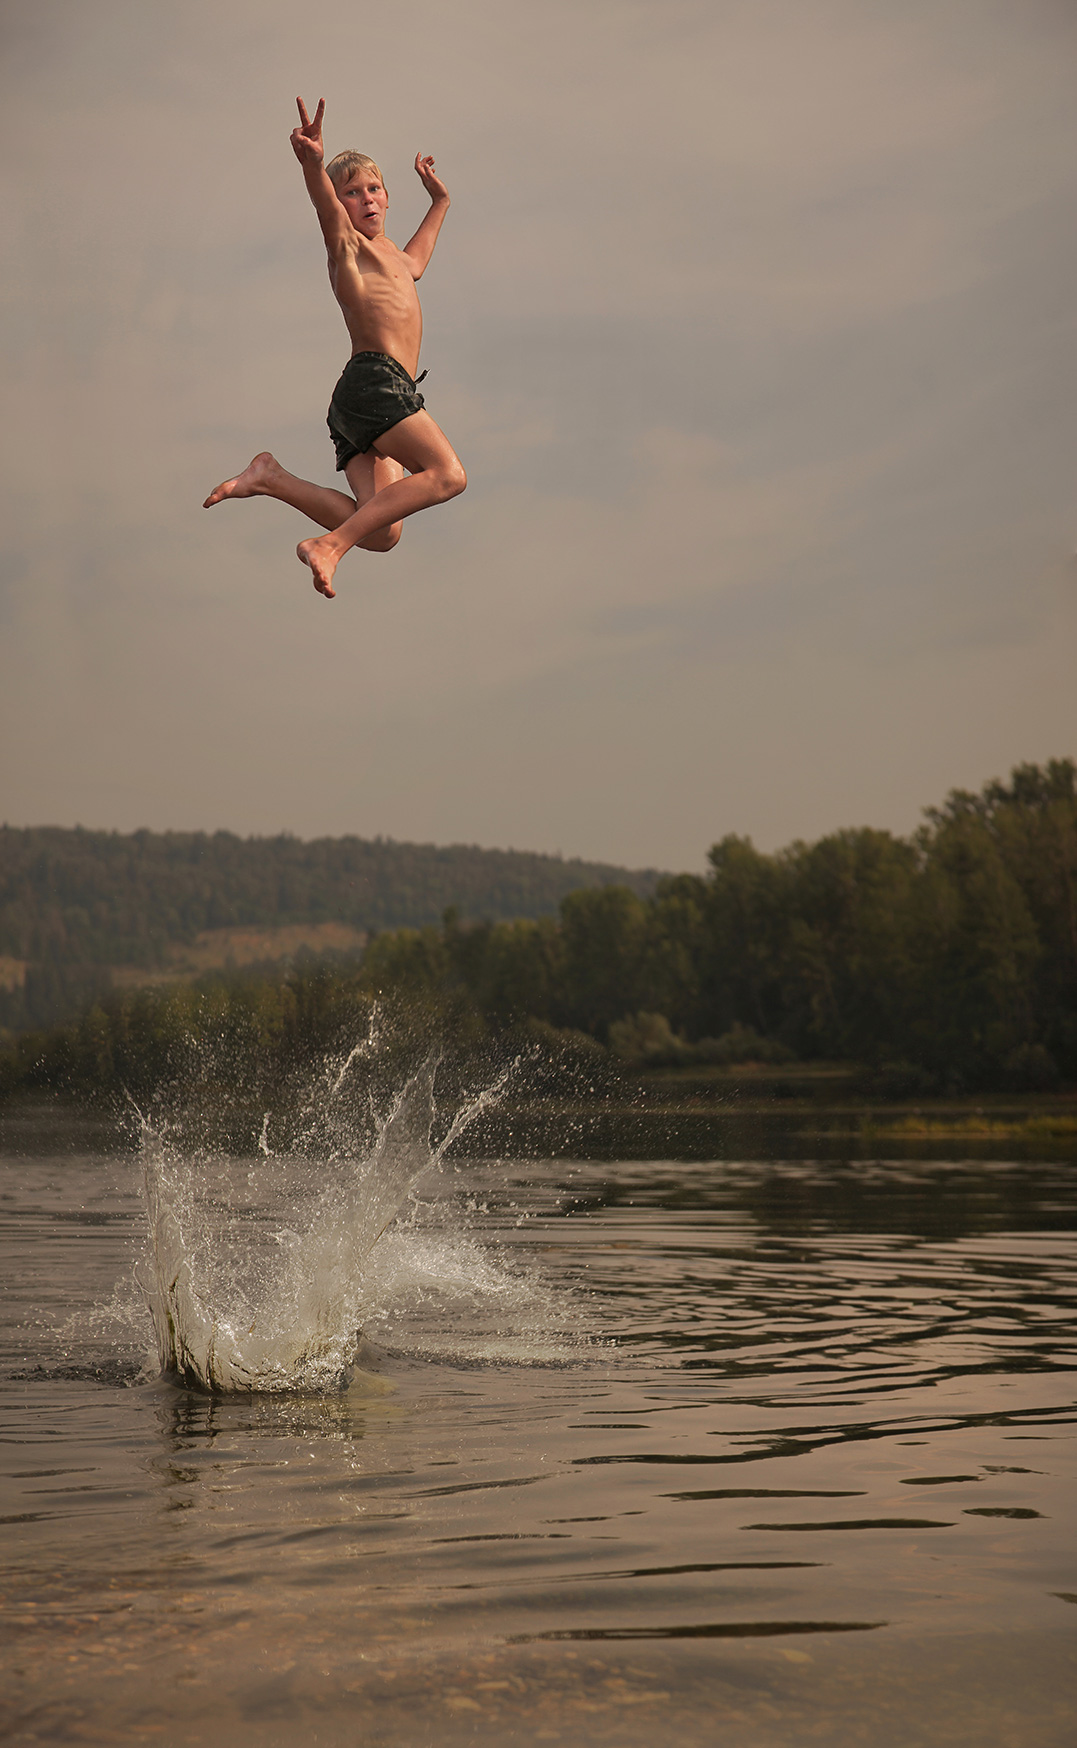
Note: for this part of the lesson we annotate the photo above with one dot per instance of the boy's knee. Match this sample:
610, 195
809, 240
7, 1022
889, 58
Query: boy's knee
455, 479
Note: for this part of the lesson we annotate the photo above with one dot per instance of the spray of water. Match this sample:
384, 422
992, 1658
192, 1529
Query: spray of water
278, 1306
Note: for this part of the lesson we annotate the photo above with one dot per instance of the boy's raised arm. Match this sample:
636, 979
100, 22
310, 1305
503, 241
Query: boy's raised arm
307, 146
421, 246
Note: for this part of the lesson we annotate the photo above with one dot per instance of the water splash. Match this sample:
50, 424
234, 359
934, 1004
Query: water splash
276, 1306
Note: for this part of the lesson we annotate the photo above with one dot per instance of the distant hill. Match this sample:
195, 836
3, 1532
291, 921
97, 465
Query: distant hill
83, 910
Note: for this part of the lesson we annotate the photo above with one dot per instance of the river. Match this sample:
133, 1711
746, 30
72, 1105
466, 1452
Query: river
759, 1453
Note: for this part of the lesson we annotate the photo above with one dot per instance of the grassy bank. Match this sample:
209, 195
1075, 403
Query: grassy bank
647, 1123
845, 1099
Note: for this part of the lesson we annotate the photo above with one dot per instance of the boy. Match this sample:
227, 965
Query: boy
376, 418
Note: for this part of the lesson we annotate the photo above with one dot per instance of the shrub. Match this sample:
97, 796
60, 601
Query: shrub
1030, 1068
647, 1038
741, 1044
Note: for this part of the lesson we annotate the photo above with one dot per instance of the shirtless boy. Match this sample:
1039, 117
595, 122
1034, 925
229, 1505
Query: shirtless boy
395, 458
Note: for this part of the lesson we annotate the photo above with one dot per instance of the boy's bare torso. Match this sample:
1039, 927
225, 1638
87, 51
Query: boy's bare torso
374, 284
374, 281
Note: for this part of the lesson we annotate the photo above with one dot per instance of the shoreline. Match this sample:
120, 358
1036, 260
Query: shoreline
727, 1128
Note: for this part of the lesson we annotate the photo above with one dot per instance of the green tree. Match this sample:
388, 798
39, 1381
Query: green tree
521, 972
848, 973
604, 935
746, 936
676, 953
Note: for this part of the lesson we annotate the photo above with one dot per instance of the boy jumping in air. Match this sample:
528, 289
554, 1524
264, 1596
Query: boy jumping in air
376, 418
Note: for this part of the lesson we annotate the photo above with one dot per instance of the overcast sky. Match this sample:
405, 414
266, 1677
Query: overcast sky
753, 321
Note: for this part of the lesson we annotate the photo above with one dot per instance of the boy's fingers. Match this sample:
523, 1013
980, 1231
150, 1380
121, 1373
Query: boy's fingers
320, 112
303, 116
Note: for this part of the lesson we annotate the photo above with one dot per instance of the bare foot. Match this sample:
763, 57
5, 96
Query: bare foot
255, 481
322, 563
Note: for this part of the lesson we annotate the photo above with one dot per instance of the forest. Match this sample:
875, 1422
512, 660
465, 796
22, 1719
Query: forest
950, 956
75, 904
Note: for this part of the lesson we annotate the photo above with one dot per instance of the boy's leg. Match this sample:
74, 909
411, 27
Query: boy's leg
418, 445
367, 475
264, 477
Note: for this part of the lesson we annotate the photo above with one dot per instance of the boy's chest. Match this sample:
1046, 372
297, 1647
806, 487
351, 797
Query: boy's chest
382, 275
375, 293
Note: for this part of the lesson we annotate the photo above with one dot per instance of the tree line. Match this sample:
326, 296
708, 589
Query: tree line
954, 950
952, 953
74, 903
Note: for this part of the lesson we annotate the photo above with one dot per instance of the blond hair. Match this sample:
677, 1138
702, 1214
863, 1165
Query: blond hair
345, 163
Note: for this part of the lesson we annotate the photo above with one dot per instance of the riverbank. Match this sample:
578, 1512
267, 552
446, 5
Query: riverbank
824, 1110
664, 1118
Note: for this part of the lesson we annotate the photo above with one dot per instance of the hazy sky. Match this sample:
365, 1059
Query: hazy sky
754, 323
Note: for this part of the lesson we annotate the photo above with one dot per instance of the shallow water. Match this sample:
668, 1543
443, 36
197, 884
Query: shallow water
758, 1454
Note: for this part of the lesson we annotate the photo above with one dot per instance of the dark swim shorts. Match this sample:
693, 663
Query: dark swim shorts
374, 393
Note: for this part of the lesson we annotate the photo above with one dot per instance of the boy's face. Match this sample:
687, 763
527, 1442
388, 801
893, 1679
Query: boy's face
364, 200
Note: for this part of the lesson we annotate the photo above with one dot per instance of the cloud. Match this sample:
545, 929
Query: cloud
754, 325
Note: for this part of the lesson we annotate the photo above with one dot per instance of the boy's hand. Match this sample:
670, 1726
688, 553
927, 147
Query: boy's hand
434, 186
421, 246
307, 139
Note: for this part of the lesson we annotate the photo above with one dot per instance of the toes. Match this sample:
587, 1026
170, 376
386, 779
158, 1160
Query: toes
323, 585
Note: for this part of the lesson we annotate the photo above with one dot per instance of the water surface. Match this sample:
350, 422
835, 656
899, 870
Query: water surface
759, 1454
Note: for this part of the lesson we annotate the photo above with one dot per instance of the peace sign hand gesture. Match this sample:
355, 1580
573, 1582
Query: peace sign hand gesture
307, 139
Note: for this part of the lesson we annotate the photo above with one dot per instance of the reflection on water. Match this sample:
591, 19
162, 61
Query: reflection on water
765, 1455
